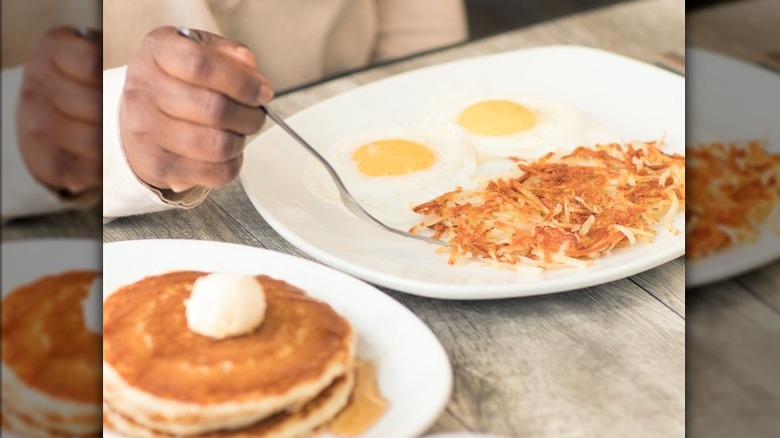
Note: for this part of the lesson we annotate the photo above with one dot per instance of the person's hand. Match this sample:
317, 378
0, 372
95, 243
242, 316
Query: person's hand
59, 114
187, 108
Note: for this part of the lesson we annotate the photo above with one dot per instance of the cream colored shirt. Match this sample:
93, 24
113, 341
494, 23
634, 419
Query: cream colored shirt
294, 41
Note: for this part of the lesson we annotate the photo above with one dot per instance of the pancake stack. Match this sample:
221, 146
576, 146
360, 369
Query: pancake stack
50, 366
290, 376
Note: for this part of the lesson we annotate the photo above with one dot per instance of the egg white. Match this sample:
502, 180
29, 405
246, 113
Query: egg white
558, 128
391, 198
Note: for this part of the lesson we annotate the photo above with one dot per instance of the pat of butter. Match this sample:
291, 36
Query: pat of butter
223, 305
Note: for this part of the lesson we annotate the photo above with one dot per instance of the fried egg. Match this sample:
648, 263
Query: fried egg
390, 171
501, 125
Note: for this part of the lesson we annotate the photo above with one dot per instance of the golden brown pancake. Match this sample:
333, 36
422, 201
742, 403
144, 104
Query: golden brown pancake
284, 424
167, 378
51, 379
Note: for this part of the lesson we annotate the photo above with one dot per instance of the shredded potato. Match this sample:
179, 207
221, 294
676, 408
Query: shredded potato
735, 189
563, 211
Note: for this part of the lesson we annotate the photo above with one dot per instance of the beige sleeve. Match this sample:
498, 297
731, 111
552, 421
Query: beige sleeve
410, 26
124, 194
127, 22
25, 22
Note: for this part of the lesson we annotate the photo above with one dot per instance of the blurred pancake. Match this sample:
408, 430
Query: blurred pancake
25, 426
50, 374
165, 378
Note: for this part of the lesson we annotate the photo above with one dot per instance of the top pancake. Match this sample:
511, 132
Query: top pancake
148, 344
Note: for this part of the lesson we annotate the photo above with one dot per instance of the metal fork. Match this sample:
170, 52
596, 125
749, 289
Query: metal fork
346, 197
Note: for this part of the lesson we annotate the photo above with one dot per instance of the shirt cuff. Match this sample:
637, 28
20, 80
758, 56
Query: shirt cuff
124, 194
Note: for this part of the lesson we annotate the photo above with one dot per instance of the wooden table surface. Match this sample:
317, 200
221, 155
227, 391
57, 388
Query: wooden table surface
734, 326
602, 361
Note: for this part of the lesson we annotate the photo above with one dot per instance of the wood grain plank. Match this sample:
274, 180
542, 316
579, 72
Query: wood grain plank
205, 222
606, 361
672, 61
746, 30
233, 201
70, 224
733, 353
666, 283
764, 284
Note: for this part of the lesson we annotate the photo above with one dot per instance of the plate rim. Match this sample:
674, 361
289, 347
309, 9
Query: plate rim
743, 265
44, 243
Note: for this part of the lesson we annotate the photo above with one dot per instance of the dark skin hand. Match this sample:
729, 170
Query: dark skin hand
187, 109
59, 115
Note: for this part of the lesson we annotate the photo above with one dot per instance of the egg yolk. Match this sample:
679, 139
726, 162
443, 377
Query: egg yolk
496, 117
392, 157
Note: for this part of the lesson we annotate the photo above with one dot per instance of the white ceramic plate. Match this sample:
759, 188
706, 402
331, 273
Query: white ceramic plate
633, 99
414, 371
26, 261
732, 100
